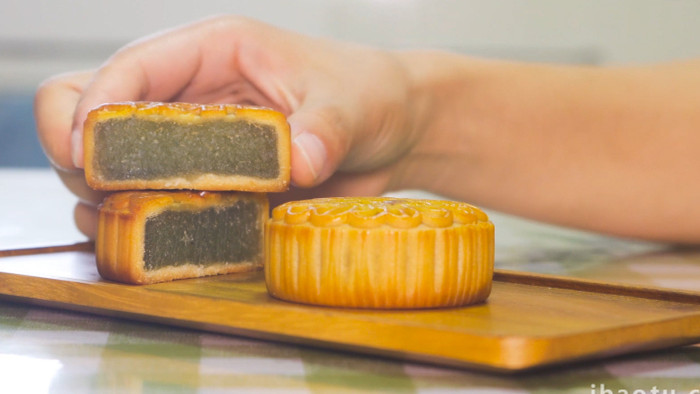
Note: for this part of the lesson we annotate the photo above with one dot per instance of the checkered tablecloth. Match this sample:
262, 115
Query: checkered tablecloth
49, 350
43, 350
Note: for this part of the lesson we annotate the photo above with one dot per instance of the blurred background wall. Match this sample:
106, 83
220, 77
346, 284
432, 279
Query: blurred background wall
39, 38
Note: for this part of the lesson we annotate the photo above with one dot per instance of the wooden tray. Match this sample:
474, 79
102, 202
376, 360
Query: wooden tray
530, 321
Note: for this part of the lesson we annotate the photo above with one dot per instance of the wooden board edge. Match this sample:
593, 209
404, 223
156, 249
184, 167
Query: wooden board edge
87, 246
601, 287
506, 368
54, 296
282, 339
511, 355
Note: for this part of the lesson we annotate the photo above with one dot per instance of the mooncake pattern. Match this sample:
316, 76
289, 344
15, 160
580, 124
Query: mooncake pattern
379, 253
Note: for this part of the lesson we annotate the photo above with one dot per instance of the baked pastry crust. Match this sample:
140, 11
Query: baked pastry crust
379, 253
120, 243
187, 114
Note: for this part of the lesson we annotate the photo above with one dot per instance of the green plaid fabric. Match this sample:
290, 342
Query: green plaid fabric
44, 350
59, 351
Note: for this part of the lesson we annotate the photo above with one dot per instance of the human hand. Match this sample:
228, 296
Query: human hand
349, 107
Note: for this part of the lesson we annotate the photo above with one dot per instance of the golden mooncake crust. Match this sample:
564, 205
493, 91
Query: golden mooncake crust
379, 253
119, 246
187, 113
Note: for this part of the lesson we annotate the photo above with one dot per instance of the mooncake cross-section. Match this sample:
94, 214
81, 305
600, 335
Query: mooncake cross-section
153, 145
155, 236
379, 252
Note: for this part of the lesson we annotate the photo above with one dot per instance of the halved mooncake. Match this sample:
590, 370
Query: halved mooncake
379, 253
155, 236
152, 145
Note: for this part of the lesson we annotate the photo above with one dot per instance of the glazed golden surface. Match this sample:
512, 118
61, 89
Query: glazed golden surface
379, 253
366, 212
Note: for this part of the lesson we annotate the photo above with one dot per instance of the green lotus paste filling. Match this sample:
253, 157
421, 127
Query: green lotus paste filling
136, 148
213, 235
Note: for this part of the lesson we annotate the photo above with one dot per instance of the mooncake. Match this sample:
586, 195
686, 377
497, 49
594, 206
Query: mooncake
152, 145
155, 236
379, 253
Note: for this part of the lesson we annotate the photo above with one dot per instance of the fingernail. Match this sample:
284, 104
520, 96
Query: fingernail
77, 148
313, 152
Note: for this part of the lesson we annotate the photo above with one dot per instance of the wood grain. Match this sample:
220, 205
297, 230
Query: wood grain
530, 321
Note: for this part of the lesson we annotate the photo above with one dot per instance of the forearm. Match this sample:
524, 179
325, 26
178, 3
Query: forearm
605, 149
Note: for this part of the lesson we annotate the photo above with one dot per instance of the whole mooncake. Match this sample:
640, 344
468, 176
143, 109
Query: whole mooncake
155, 236
152, 145
379, 253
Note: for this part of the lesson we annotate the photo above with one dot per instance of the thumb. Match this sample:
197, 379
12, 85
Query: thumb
320, 142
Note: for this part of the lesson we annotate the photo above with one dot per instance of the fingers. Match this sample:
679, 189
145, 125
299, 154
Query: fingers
135, 73
75, 182
86, 219
317, 84
54, 105
225, 59
199, 62
348, 122
231, 58
341, 184
318, 144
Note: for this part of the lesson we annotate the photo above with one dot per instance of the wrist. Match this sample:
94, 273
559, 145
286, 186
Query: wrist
441, 95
